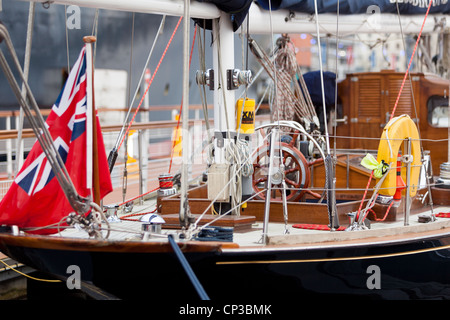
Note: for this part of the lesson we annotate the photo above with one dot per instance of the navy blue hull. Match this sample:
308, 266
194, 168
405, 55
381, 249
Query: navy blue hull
416, 269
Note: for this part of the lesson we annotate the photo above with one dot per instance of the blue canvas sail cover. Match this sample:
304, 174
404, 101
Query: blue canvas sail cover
237, 9
314, 84
409, 7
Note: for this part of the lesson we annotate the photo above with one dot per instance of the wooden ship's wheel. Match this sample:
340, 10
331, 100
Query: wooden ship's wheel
295, 173
290, 167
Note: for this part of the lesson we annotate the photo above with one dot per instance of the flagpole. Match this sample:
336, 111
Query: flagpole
89, 40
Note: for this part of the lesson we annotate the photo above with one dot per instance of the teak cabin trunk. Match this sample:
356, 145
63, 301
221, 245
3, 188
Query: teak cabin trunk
368, 99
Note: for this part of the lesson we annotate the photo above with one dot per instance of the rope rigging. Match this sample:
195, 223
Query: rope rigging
410, 61
282, 69
172, 149
298, 102
181, 104
114, 152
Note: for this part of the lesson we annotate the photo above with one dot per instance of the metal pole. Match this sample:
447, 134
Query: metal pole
448, 113
9, 168
26, 70
224, 99
273, 140
285, 206
145, 117
321, 79
141, 180
408, 161
428, 178
188, 269
184, 211
224, 104
91, 126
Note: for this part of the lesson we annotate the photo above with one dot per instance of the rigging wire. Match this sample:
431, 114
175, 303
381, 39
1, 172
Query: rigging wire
273, 49
303, 106
224, 187
67, 39
202, 88
95, 33
321, 78
415, 112
329, 165
26, 70
125, 170
113, 154
410, 61
171, 157
409, 74
181, 105
151, 81
38, 124
336, 79
230, 210
115, 150
130, 69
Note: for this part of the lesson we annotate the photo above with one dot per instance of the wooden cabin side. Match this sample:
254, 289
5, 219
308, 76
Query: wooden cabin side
434, 119
368, 99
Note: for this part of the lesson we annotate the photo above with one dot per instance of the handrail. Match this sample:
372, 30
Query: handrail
102, 109
28, 133
148, 125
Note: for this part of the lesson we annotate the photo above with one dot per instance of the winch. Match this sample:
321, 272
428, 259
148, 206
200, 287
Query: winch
166, 188
152, 222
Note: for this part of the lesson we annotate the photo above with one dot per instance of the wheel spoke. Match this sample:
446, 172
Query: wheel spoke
263, 179
286, 172
292, 183
294, 139
295, 167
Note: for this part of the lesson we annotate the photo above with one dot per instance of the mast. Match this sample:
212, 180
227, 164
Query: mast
91, 123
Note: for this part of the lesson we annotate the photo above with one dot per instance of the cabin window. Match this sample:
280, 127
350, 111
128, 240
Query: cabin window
438, 111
